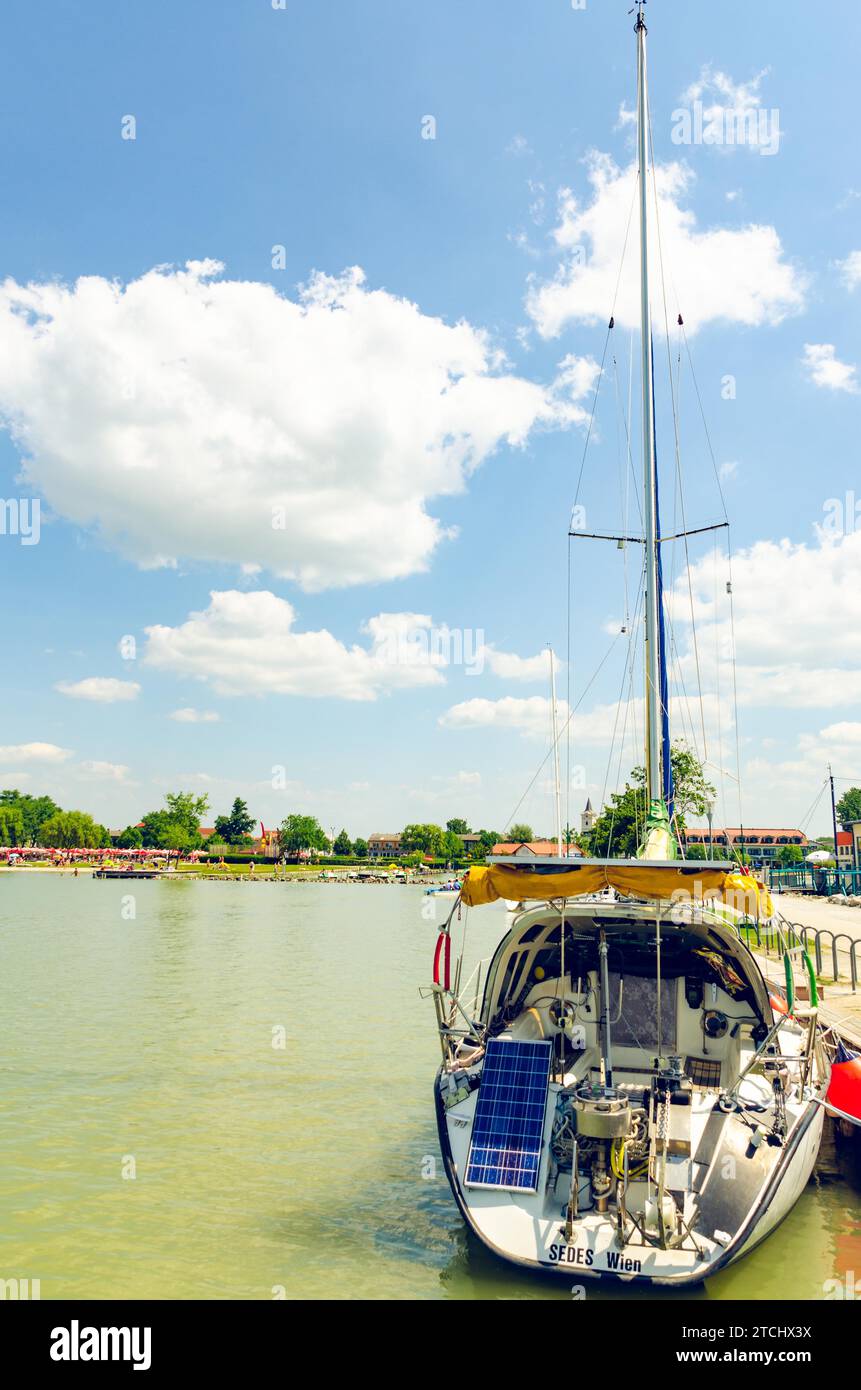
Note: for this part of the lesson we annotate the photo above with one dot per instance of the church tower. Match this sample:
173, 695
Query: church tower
587, 818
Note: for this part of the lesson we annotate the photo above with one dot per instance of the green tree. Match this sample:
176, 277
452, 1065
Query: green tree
360, 848
790, 854
34, 811
426, 838
343, 844
302, 832
457, 826
11, 826
696, 852
71, 830
177, 827
187, 809
691, 791
618, 830
235, 829
849, 807
131, 838
451, 846
520, 831
488, 838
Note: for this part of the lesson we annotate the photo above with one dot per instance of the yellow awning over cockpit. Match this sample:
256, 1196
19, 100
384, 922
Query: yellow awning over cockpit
680, 882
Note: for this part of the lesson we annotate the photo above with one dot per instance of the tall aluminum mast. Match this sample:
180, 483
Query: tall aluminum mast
654, 783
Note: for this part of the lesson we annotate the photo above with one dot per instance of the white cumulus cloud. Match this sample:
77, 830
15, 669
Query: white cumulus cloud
247, 644
34, 753
187, 416
195, 716
788, 653
825, 368
97, 771
738, 275
510, 666
103, 689
851, 270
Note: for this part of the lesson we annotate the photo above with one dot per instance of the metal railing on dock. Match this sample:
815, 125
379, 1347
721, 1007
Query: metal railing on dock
825, 880
775, 938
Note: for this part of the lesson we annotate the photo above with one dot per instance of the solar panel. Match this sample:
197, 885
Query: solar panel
509, 1117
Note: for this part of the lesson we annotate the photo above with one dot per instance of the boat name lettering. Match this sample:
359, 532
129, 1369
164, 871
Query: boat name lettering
582, 1255
570, 1254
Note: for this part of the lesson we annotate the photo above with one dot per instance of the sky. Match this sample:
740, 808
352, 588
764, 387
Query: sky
302, 317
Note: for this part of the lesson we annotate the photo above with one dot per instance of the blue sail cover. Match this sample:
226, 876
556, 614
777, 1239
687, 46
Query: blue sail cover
666, 752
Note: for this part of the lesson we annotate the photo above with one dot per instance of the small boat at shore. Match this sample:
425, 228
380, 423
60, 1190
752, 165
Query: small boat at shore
623, 1096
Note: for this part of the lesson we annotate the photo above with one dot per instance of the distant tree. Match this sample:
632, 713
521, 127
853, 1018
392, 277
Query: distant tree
696, 852
618, 830
849, 807
11, 826
343, 844
235, 829
520, 831
71, 830
427, 838
302, 832
691, 791
105, 840
34, 811
187, 809
131, 838
360, 848
458, 827
790, 854
160, 830
451, 845
177, 827
487, 839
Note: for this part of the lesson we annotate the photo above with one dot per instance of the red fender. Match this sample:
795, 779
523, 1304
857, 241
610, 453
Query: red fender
844, 1091
443, 947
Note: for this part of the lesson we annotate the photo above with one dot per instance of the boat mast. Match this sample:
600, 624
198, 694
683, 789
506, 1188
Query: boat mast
654, 785
556, 753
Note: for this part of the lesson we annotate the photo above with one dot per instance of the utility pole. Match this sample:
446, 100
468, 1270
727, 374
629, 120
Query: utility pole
834, 826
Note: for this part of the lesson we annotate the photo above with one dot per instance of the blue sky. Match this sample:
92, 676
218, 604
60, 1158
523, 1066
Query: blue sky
423, 468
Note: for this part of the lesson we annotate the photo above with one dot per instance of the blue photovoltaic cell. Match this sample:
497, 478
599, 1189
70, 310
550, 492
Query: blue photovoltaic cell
509, 1117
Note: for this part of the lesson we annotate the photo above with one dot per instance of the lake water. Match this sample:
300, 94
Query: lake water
144, 1045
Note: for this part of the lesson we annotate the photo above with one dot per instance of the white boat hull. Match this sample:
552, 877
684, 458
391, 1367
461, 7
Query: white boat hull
514, 1227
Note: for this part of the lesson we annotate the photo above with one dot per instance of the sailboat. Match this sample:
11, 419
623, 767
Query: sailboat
624, 1095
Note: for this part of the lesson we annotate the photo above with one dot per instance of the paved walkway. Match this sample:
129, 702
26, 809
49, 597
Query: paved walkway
838, 1005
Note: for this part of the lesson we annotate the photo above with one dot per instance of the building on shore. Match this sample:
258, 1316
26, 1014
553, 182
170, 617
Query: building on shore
852, 828
533, 849
587, 817
761, 845
383, 846
846, 849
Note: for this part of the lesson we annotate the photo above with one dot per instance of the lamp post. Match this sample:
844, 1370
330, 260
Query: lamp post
710, 810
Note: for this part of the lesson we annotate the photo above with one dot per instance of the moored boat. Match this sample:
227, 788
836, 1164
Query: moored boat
623, 1096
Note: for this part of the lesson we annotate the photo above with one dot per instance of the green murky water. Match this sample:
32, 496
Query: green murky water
146, 1046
